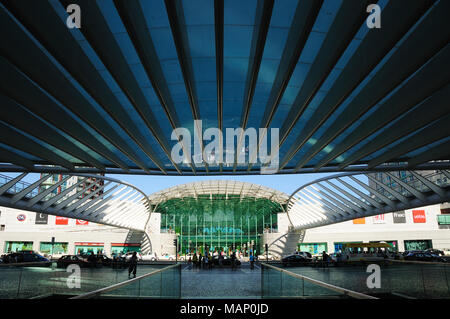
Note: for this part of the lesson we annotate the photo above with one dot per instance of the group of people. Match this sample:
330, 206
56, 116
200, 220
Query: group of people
203, 261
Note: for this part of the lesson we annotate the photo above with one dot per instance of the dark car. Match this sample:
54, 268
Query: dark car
67, 260
27, 257
225, 262
421, 256
435, 252
295, 260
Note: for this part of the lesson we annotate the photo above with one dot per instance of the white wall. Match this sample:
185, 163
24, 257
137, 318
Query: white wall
370, 231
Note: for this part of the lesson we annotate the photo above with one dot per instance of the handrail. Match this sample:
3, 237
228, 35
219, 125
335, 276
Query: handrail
344, 291
419, 262
100, 291
34, 263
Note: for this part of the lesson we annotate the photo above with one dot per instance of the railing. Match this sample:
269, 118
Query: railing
161, 283
18, 187
404, 279
280, 283
40, 280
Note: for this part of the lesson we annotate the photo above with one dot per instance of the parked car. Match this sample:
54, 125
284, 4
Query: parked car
128, 255
295, 260
421, 256
67, 260
166, 257
27, 257
151, 256
264, 257
303, 253
435, 252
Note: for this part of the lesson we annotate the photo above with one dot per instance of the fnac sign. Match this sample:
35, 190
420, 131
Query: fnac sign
419, 216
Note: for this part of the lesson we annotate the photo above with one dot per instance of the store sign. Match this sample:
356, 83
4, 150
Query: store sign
81, 222
399, 217
21, 217
61, 220
359, 221
41, 219
88, 244
419, 216
378, 219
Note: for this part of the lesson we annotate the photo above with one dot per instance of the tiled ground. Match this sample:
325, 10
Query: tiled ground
221, 282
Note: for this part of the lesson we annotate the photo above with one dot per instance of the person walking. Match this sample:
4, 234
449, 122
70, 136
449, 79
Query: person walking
324, 259
252, 262
133, 265
194, 260
233, 261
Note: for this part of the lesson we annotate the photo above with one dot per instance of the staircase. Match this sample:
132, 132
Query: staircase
286, 244
134, 237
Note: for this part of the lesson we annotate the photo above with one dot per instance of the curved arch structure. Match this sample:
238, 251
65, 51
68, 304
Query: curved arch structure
94, 198
222, 187
348, 196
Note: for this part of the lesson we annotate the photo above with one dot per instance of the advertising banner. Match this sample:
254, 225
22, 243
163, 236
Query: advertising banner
378, 219
399, 217
359, 220
419, 216
61, 220
41, 219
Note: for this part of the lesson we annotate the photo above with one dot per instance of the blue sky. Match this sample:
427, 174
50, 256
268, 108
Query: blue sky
149, 183
285, 183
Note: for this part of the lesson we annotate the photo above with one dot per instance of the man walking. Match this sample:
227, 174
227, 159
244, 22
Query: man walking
133, 265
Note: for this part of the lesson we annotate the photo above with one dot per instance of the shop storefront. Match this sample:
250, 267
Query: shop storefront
339, 246
123, 248
56, 248
313, 248
13, 246
393, 243
87, 248
418, 244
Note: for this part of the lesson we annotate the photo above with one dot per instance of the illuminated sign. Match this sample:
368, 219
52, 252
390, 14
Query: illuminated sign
61, 220
419, 216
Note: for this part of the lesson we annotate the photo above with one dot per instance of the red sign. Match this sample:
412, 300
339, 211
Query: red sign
81, 222
125, 245
21, 217
378, 219
88, 244
419, 216
61, 220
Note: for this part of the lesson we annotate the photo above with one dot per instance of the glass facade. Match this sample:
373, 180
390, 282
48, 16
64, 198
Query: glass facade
313, 248
117, 249
58, 248
87, 249
218, 222
13, 246
418, 244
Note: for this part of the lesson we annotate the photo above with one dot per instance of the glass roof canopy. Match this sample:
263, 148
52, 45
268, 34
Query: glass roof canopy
219, 189
107, 97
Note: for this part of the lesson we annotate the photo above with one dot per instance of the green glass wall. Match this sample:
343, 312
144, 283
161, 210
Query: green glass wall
218, 222
57, 248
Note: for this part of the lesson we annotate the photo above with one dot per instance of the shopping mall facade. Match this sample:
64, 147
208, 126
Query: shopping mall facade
245, 217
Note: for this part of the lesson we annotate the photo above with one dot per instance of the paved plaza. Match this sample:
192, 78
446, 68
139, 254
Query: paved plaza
221, 282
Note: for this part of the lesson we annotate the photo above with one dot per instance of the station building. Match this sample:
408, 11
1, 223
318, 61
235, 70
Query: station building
419, 228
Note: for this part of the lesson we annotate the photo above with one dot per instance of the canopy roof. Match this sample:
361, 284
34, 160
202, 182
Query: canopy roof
219, 189
106, 97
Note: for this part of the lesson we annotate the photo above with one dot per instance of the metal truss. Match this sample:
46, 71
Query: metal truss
347, 196
94, 198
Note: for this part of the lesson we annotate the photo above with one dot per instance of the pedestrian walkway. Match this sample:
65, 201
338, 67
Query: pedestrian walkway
221, 282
